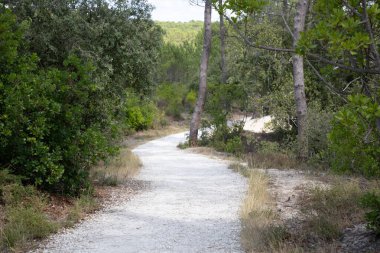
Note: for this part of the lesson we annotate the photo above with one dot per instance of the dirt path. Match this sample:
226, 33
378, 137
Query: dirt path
191, 206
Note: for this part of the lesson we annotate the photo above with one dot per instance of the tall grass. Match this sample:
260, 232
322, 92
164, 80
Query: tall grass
261, 230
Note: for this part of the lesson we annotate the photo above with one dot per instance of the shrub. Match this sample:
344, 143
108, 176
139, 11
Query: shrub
371, 201
354, 140
234, 146
319, 125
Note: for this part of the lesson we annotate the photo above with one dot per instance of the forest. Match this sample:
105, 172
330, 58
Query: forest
77, 77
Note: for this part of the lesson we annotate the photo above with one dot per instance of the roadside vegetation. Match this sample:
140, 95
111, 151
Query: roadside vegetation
83, 82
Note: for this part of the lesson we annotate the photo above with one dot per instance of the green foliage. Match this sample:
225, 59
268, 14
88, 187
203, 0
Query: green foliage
171, 98
118, 37
241, 7
139, 114
354, 138
178, 33
319, 125
178, 63
62, 114
224, 139
371, 201
234, 146
343, 30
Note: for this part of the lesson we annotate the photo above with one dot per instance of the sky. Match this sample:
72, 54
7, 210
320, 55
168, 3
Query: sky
178, 10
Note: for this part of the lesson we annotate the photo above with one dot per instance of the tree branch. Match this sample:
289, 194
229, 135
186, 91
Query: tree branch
311, 55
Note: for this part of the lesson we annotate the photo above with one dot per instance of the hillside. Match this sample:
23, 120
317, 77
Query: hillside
179, 32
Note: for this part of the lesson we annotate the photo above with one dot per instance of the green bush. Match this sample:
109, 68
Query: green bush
52, 126
371, 201
139, 114
234, 146
268, 147
354, 138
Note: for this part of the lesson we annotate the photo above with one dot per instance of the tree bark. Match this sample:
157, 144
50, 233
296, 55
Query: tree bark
222, 30
299, 82
196, 118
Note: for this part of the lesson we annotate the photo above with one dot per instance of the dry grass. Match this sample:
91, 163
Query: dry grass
118, 169
272, 160
329, 210
261, 230
325, 213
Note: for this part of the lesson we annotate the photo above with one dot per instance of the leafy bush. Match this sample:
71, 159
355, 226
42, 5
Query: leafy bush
234, 146
139, 114
372, 202
52, 126
223, 138
355, 139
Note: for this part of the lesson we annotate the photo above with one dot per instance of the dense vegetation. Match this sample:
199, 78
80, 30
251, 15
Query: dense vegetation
75, 76
78, 75
179, 32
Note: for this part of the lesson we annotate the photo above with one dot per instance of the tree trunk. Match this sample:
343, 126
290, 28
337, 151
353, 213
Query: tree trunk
196, 118
222, 29
285, 8
299, 82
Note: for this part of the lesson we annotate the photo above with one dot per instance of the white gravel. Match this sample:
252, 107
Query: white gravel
192, 205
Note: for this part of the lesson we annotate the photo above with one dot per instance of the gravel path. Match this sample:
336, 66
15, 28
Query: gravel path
191, 205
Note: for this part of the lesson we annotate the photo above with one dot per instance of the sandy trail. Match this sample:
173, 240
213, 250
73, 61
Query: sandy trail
191, 205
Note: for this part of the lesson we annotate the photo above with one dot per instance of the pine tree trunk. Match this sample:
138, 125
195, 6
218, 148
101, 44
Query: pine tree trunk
222, 29
299, 82
196, 118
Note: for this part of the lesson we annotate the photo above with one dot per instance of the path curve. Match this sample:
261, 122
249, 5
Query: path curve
191, 205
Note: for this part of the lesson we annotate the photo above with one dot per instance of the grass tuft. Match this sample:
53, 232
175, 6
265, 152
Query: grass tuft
25, 224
